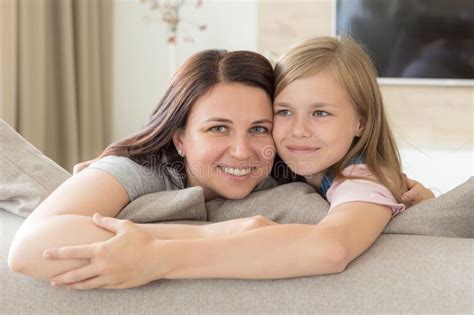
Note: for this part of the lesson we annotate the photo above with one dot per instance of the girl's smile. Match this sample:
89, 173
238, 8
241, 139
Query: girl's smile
314, 124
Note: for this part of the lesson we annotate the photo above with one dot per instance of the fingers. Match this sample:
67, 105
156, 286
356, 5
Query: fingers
93, 283
80, 166
410, 197
77, 168
410, 182
70, 252
111, 224
77, 275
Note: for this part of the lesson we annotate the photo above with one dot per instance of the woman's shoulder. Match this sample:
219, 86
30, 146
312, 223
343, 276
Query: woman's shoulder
136, 178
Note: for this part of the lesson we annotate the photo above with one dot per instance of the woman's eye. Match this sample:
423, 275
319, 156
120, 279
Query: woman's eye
283, 112
321, 113
259, 129
218, 129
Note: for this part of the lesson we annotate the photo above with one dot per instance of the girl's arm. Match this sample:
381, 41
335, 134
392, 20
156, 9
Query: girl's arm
186, 231
278, 251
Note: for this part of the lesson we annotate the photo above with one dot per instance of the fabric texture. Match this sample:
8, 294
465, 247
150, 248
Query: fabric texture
57, 90
350, 190
449, 215
27, 176
398, 274
136, 179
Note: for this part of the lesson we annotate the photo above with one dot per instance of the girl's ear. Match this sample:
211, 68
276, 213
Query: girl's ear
178, 137
360, 127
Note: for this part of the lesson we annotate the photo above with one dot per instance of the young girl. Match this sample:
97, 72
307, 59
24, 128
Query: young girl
312, 147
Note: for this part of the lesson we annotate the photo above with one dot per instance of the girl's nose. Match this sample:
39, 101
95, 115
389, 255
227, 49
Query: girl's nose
301, 129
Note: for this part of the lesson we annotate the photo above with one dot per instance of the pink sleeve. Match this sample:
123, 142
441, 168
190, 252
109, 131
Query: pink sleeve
342, 191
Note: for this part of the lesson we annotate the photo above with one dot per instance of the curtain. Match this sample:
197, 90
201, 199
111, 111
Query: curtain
56, 75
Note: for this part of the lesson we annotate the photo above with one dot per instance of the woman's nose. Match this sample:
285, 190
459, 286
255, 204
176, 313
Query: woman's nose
240, 148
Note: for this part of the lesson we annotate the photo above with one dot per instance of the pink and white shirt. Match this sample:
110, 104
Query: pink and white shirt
350, 190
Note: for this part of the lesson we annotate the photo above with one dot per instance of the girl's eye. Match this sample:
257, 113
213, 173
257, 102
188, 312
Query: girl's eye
218, 129
259, 129
321, 113
283, 112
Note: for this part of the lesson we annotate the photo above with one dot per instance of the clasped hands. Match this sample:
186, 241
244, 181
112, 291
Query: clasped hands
124, 261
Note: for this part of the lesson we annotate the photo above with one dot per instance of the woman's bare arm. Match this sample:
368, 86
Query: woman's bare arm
64, 218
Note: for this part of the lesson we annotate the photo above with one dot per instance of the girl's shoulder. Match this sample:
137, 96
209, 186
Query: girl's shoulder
361, 186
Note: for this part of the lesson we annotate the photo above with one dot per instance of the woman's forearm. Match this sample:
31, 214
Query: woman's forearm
279, 251
39, 234
34, 236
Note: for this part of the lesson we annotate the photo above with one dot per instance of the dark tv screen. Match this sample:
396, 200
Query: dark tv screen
427, 39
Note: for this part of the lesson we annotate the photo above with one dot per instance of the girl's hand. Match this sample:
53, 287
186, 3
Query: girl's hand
80, 166
416, 193
123, 261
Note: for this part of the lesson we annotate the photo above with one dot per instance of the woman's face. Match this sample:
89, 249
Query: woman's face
227, 142
314, 125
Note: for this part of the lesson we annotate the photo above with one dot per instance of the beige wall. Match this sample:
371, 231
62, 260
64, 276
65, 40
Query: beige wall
434, 117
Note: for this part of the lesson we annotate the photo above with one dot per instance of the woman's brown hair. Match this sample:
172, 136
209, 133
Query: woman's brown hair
153, 143
352, 67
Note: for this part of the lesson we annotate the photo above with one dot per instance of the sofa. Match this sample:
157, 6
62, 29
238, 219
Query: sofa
423, 263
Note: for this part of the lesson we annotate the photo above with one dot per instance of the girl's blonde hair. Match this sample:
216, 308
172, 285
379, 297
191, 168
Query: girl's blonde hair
353, 69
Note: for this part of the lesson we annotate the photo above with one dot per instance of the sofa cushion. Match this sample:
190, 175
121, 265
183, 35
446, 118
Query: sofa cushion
27, 176
450, 215
398, 274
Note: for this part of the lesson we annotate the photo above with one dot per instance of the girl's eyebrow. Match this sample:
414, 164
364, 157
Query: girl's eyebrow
321, 104
282, 104
313, 105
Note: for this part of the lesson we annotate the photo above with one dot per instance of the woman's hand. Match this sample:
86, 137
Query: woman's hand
80, 166
416, 193
124, 261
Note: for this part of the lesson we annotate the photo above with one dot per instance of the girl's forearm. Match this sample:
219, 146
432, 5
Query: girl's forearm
188, 231
173, 231
279, 251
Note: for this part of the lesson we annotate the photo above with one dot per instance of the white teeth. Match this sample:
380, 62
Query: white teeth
237, 171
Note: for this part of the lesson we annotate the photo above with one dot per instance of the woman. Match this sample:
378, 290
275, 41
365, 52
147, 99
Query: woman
220, 100
184, 258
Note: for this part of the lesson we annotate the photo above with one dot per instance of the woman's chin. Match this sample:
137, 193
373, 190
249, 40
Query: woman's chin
233, 194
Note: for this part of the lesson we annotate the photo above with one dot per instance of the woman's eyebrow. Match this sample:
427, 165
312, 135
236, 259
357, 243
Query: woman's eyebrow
217, 119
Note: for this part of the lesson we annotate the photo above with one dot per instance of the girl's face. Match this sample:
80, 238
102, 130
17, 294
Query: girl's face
227, 142
314, 125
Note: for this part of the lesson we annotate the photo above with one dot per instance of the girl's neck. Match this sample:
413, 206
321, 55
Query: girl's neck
315, 180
